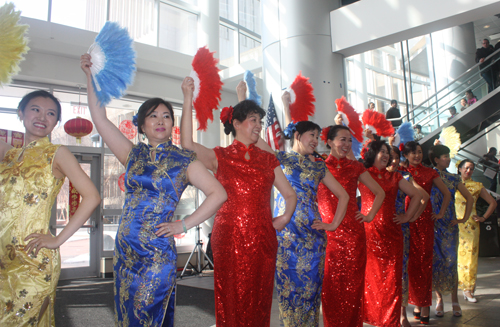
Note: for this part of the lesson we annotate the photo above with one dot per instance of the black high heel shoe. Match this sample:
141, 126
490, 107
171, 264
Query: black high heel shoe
416, 314
424, 320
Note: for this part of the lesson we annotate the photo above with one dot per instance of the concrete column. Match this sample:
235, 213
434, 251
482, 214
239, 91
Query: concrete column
296, 38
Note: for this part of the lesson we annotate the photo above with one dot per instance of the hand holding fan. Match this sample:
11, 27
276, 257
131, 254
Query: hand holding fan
377, 123
207, 86
350, 117
302, 98
13, 42
404, 134
113, 62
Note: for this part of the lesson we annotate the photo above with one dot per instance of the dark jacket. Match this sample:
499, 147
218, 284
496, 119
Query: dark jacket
483, 53
394, 113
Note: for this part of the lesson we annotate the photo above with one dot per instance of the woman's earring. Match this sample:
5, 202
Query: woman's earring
143, 137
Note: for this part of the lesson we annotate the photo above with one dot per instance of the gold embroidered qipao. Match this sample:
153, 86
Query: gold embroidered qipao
27, 192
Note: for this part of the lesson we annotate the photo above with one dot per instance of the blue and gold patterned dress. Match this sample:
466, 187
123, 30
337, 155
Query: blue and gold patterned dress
27, 192
301, 251
444, 267
400, 209
145, 265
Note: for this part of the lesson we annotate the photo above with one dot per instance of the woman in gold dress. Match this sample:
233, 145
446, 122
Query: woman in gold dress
30, 179
468, 243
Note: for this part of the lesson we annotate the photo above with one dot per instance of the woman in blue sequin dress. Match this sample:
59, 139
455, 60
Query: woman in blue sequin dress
301, 248
444, 267
145, 259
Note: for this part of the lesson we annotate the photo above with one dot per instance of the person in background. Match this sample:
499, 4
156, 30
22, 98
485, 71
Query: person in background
468, 243
471, 98
453, 112
489, 161
371, 106
486, 72
464, 104
394, 113
418, 133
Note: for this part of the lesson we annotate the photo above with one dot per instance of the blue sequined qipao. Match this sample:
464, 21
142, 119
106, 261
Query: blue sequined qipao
145, 265
301, 251
400, 209
444, 267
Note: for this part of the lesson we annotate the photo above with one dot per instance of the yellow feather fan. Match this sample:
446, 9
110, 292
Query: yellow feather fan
13, 42
450, 137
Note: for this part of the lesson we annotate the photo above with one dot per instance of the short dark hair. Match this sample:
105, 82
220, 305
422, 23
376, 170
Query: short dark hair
487, 40
452, 108
374, 147
394, 102
241, 112
369, 103
304, 127
411, 146
39, 94
396, 151
418, 126
148, 107
493, 149
437, 151
463, 162
334, 130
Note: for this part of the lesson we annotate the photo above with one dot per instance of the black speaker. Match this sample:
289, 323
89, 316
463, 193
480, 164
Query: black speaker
489, 245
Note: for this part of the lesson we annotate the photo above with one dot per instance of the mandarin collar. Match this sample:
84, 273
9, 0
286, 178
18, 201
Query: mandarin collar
412, 169
242, 147
335, 161
161, 146
40, 141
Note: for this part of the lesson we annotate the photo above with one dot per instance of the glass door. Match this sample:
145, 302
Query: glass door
80, 253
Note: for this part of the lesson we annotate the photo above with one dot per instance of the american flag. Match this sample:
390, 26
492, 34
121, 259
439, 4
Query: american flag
274, 135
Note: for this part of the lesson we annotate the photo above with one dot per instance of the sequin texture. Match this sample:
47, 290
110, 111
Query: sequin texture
244, 241
384, 253
421, 243
345, 261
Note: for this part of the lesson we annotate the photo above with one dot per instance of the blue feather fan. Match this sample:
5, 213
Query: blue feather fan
113, 62
252, 87
356, 147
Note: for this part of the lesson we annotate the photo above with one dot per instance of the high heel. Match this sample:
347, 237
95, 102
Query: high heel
424, 320
457, 313
416, 314
439, 313
471, 299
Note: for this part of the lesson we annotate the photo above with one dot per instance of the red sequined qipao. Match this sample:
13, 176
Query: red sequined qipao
421, 243
384, 253
344, 281
244, 241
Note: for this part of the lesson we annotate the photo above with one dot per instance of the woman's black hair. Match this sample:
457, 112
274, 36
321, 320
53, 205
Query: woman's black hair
437, 151
396, 151
374, 147
334, 130
241, 112
36, 94
304, 127
410, 147
463, 162
148, 107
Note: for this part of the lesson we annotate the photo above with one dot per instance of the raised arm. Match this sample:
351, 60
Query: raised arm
379, 193
111, 135
438, 182
468, 204
337, 189
204, 154
423, 202
288, 194
286, 107
200, 178
416, 198
492, 204
4, 147
65, 164
241, 91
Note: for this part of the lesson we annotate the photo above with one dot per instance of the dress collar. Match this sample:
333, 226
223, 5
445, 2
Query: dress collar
414, 170
334, 161
242, 147
160, 146
40, 141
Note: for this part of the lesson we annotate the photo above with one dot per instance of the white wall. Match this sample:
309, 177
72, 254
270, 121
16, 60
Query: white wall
371, 24
54, 58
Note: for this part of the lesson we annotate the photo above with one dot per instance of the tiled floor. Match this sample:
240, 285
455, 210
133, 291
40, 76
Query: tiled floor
485, 313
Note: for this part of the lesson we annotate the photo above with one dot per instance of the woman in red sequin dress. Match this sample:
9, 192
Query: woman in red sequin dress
345, 262
422, 234
243, 240
384, 239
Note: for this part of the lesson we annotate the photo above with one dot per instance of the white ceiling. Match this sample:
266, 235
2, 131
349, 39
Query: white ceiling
488, 27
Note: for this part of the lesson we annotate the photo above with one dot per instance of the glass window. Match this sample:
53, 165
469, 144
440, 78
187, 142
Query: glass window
113, 197
178, 29
227, 49
249, 14
250, 49
226, 9
38, 9
139, 17
85, 14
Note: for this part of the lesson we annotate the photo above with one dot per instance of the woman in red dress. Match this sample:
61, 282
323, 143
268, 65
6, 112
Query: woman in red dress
384, 239
422, 234
344, 279
243, 240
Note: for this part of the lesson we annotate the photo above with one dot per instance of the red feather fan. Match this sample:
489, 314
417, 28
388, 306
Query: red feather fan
365, 149
377, 123
303, 106
324, 134
352, 116
207, 86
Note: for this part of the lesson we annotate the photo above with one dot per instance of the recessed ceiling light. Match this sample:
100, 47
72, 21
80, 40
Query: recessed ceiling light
486, 26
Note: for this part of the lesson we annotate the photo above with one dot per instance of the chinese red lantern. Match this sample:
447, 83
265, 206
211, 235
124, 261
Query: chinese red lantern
128, 129
121, 182
78, 127
176, 135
